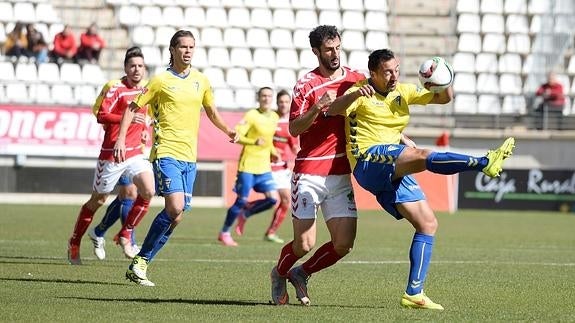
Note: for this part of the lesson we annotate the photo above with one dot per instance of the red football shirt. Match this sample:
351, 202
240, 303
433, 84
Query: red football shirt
283, 142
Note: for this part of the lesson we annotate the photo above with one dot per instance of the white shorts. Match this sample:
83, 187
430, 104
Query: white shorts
282, 178
334, 194
108, 173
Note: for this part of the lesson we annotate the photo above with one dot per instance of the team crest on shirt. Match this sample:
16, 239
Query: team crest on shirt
397, 100
196, 86
144, 90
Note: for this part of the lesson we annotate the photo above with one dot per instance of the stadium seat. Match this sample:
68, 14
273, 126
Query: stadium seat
510, 84
3, 35
468, 23
510, 63
464, 62
93, 74
246, 98
469, 42
514, 104
232, 4
129, 15
467, 6
517, 24
3, 98
353, 20
564, 23
216, 77
151, 16
281, 38
284, 18
307, 59
275, 4
301, 38
17, 93
257, 38
519, 43
195, 16
6, 12
40, 93
237, 77
26, 72
375, 6
235, 37
375, 20
261, 77
357, 59
353, 40
488, 104
48, 73
330, 17
225, 98
303, 4
539, 7
465, 104
494, 43
212, 37
239, 17
46, 13
241, 57
200, 58
152, 55
173, 16
492, 23
376, 40
306, 19
491, 6
85, 94
218, 56
564, 7
287, 58
322, 5
571, 67
564, 80
486, 63
63, 94
264, 57
24, 12
487, 83
163, 3
143, 35
284, 78
163, 35
71, 73
54, 29
464, 83
209, 3
515, 7
216, 17
351, 5
259, 3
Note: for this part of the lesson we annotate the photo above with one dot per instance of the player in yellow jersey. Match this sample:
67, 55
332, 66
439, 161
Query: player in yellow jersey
377, 111
256, 133
176, 98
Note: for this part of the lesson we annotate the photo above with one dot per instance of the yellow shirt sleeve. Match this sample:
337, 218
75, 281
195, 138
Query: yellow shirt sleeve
418, 95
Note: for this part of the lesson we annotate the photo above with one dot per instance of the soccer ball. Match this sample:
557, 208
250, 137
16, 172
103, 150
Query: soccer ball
437, 72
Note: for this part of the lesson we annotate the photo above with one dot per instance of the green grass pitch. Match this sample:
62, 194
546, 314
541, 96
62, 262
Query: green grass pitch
487, 266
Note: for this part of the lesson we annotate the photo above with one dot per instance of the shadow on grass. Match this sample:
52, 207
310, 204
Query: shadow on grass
60, 281
175, 300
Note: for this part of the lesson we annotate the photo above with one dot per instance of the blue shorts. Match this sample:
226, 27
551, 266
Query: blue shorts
124, 181
374, 174
174, 176
261, 183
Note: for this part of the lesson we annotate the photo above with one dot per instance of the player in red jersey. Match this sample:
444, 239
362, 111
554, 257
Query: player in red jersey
281, 172
321, 171
107, 173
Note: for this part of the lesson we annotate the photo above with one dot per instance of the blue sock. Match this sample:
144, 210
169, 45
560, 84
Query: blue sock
232, 214
448, 163
259, 206
419, 258
110, 217
163, 240
158, 228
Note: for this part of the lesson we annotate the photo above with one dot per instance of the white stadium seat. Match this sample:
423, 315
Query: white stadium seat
225, 98
241, 57
212, 37
274, 4
517, 24
163, 35
281, 38
327, 5
491, 6
469, 42
284, 18
301, 38
464, 62
6, 12
519, 43
246, 98
357, 59
218, 56
216, 77
143, 35
63, 94
465, 104
264, 57
376, 40
468, 23
353, 20
48, 73
284, 78
195, 16
467, 6
216, 17
85, 94
45, 12
539, 7
26, 72
353, 40
494, 43
375, 5
93, 74
464, 83
487, 83
129, 15
40, 93
303, 4
237, 77
330, 17
515, 7
307, 59
510, 84
375, 20
257, 38
261, 18
151, 16
514, 104
351, 5
306, 19
173, 16
235, 37
239, 17
200, 58
152, 55
510, 63
287, 58
486, 63
492, 23
70, 73
17, 93
24, 12
488, 104
260, 77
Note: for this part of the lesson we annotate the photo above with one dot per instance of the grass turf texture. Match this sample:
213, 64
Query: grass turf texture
487, 266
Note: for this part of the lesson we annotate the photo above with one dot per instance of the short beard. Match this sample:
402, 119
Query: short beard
327, 65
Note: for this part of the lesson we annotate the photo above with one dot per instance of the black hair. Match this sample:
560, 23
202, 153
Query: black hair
282, 93
133, 52
259, 92
377, 57
322, 33
174, 42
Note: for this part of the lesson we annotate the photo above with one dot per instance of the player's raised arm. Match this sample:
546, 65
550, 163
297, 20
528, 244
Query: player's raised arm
343, 102
302, 123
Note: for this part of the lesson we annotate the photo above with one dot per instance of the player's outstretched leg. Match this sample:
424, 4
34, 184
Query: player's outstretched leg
298, 278
497, 156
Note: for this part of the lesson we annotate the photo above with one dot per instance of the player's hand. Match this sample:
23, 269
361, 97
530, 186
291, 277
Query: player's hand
145, 137
366, 90
276, 158
139, 118
260, 141
120, 151
233, 135
407, 141
326, 99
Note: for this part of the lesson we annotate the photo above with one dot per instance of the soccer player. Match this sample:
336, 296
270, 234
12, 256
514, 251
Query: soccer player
280, 169
107, 173
176, 97
376, 111
321, 172
256, 133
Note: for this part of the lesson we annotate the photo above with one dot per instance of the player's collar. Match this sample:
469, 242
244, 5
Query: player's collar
376, 89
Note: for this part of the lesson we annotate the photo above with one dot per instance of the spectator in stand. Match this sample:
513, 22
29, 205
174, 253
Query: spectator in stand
550, 110
91, 44
16, 42
37, 46
65, 47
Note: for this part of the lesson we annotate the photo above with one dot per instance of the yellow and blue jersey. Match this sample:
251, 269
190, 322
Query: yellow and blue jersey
380, 119
175, 105
256, 124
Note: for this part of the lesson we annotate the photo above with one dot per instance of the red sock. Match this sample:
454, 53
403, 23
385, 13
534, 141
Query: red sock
287, 259
82, 223
279, 216
324, 257
136, 214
